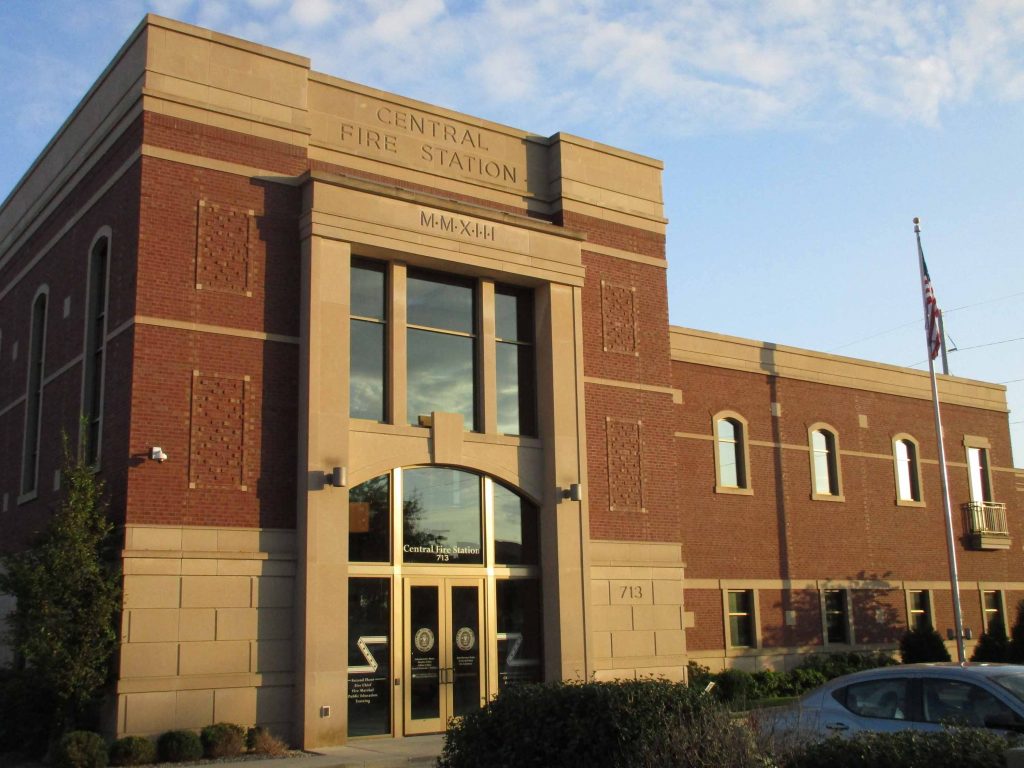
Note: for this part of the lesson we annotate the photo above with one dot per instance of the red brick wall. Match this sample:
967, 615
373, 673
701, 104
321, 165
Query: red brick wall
221, 250
63, 268
779, 532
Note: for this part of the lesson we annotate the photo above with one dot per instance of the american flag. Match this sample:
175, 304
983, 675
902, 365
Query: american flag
931, 313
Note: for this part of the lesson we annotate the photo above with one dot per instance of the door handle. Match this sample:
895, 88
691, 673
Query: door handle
837, 727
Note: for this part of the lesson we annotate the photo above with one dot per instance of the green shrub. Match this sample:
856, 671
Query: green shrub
769, 684
697, 675
132, 750
952, 748
222, 740
179, 746
993, 645
833, 665
734, 686
599, 725
922, 644
803, 679
80, 749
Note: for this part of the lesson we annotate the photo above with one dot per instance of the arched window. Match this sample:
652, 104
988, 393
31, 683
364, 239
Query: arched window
444, 514
95, 348
825, 476
34, 395
731, 453
908, 471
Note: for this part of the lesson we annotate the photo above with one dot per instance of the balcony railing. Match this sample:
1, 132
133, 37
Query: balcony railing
986, 524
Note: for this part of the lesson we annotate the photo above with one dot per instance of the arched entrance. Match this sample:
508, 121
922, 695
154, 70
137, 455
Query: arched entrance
444, 597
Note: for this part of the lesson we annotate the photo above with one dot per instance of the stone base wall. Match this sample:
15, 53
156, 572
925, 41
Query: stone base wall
207, 629
637, 617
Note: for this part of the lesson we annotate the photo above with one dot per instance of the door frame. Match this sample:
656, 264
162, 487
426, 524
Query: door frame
444, 585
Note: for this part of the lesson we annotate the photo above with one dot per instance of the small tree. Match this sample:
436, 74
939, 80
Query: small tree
1016, 652
922, 644
62, 627
993, 644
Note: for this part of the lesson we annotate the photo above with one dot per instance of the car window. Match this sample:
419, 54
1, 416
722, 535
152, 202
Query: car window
1012, 683
886, 699
951, 701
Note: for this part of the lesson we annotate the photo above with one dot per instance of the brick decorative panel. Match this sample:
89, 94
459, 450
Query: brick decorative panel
220, 427
619, 318
223, 248
625, 478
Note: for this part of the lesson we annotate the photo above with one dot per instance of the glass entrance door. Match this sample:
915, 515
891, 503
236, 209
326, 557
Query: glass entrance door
443, 661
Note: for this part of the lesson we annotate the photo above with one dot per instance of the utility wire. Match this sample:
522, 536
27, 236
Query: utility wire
915, 322
976, 346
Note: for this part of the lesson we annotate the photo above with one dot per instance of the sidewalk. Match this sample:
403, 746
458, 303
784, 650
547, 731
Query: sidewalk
418, 751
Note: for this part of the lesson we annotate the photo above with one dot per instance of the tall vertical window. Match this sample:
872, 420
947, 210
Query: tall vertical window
441, 347
824, 463
95, 348
34, 396
836, 616
908, 476
992, 608
517, 400
730, 454
369, 656
919, 609
977, 467
368, 338
741, 618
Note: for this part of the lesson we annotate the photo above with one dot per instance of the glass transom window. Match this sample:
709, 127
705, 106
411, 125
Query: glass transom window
444, 519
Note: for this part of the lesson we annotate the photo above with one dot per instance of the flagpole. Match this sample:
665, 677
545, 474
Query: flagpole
954, 578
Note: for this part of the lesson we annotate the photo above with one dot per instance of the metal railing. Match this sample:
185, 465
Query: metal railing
986, 517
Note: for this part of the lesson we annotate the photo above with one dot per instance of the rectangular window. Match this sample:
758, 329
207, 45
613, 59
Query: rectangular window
836, 616
977, 466
441, 347
369, 656
519, 638
513, 320
920, 609
34, 396
741, 618
368, 340
992, 608
95, 347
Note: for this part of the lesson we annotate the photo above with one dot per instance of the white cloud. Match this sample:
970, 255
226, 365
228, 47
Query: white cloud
311, 12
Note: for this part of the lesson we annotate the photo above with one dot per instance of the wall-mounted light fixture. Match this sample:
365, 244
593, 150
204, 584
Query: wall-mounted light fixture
156, 453
573, 493
337, 477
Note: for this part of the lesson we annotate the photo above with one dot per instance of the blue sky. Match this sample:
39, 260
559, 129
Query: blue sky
800, 137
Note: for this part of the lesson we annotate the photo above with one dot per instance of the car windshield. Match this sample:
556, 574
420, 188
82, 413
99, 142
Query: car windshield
1014, 683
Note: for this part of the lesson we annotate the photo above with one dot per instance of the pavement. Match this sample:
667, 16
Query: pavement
409, 752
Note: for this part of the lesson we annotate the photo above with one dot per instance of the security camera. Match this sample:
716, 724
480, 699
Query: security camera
157, 454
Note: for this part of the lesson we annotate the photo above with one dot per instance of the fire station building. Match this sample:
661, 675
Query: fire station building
391, 415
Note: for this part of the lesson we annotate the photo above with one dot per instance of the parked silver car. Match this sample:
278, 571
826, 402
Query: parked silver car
922, 697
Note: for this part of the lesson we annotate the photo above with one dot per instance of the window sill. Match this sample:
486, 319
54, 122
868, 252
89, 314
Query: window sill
827, 497
734, 491
910, 503
25, 498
